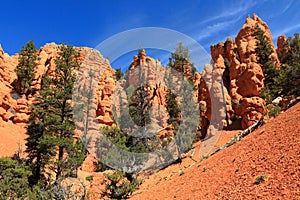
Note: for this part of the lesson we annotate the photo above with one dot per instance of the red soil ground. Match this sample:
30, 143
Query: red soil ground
272, 151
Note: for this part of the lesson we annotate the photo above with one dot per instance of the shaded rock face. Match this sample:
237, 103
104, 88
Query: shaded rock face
282, 47
243, 76
213, 98
148, 73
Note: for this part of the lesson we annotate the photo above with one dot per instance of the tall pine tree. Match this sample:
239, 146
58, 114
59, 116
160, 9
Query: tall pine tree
39, 144
51, 127
264, 53
70, 154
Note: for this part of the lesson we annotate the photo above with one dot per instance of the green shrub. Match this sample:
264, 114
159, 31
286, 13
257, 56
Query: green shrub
118, 186
260, 179
273, 110
89, 178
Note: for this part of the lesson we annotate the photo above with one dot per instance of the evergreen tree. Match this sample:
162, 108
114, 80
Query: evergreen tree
51, 127
14, 177
39, 144
173, 110
289, 75
25, 68
293, 55
139, 105
264, 53
180, 60
190, 117
60, 111
119, 74
118, 186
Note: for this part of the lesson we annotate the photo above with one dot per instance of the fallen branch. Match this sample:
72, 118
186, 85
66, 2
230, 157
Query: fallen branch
239, 136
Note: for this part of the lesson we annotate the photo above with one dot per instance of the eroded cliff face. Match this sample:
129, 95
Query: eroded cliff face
16, 108
7, 75
148, 73
236, 60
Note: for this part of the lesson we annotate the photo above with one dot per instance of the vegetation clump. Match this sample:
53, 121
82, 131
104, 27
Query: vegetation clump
25, 69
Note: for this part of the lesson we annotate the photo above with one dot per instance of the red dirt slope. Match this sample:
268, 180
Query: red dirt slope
273, 151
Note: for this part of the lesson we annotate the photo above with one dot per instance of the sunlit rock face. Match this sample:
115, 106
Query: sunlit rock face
236, 61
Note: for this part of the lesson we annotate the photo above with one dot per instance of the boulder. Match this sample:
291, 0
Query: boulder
21, 118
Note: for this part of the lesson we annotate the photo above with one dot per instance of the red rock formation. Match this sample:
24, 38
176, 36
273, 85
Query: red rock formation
7, 75
12, 107
282, 48
149, 73
245, 77
16, 109
146, 66
213, 98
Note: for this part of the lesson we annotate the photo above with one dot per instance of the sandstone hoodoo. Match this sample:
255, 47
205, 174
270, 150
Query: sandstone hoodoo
243, 77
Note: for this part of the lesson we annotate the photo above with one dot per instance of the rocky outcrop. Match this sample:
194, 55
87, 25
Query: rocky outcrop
282, 47
234, 62
213, 98
143, 68
251, 110
22, 110
16, 108
7, 75
150, 74
243, 77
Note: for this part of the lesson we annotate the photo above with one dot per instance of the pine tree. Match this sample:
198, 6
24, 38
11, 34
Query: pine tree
289, 75
25, 68
118, 186
139, 105
13, 179
139, 111
185, 115
60, 110
180, 60
264, 53
39, 144
173, 110
51, 127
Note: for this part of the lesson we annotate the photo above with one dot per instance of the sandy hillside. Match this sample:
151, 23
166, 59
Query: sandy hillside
263, 165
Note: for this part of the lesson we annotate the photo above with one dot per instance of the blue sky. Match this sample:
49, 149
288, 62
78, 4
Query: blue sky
88, 23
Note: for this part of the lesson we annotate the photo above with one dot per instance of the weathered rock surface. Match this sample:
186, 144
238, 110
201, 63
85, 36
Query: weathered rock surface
16, 109
243, 77
149, 73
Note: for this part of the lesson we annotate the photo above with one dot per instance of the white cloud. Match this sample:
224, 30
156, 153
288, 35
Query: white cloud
215, 28
287, 7
231, 10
